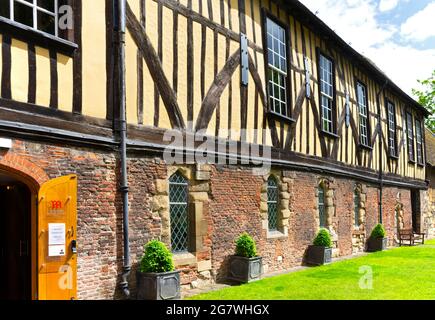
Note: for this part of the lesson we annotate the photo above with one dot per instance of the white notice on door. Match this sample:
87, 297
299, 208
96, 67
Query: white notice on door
56, 239
56, 251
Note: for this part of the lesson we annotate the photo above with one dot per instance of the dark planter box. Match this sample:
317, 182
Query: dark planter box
317, 255
158, 286
377, 244
244, 269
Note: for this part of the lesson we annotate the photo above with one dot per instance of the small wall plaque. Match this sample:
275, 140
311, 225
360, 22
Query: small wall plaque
5, 143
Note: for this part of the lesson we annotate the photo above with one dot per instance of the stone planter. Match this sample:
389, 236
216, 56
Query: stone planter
377, 244
317, 255
245, 270
158, 286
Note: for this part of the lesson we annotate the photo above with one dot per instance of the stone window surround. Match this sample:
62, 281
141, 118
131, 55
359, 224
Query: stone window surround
283, 209
358, 231
329, 203
398, 216
361, 190
199, 186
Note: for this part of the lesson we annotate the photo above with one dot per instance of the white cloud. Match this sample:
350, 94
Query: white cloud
403, 64
420, 26
387, 5
356, 22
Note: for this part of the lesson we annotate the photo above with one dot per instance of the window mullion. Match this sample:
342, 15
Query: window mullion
11, 10
35, 15
56, 18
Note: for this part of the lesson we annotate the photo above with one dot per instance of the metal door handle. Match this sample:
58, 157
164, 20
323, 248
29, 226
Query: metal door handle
74, 246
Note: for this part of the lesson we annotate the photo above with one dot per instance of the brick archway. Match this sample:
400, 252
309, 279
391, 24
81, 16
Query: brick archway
23, 170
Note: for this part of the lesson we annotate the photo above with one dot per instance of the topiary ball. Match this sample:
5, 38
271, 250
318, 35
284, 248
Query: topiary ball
245, 246
157, 258
323, 239
378, 231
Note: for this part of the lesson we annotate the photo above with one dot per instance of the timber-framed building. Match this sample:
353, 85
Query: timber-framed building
347, 144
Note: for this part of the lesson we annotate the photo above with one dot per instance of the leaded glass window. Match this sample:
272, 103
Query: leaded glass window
356, 207
391, 109
272, 203
410, 129
363, 114
321, 199
178, 211
418, 131
40, 15
326, 93
277, 67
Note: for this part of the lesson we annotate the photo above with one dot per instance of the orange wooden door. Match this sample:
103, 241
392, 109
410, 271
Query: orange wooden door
57, 235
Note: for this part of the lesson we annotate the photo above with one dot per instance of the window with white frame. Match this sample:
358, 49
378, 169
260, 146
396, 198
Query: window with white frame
41, 15
410, 135
326, 93
364, 130
277, 67
419, 135
391, 111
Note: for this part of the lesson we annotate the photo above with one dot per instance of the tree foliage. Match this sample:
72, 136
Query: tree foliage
427, 99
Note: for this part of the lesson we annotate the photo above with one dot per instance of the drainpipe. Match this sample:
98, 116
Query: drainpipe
123, 146
381, 174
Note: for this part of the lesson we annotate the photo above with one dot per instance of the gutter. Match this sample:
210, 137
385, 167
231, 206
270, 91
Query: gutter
381, 173
124, 188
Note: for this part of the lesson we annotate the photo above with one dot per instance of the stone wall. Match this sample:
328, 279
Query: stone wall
428, 205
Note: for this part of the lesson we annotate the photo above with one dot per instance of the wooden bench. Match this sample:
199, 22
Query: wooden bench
411, 237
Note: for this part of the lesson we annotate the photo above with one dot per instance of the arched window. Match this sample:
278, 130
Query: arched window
272, 203
356, 206
321, 199
178, 212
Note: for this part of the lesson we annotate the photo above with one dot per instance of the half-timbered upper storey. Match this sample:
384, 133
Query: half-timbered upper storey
271, 67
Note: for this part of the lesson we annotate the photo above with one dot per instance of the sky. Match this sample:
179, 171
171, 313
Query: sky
397, 35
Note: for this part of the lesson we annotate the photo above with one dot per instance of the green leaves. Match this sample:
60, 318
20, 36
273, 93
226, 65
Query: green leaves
245, 246
323, 239
427, 99
378, 231
157, 258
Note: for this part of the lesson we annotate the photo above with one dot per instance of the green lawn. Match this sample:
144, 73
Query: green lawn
403, 273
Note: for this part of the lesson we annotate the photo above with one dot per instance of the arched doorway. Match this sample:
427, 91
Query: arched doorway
17, 218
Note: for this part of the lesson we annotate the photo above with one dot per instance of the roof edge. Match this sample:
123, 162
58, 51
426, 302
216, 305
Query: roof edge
311, 18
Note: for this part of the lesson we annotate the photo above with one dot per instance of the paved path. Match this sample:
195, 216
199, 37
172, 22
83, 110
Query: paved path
219, 286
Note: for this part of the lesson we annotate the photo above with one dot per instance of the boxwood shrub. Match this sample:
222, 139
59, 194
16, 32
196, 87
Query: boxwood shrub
157, 258
323, 239
245, 246
378, 231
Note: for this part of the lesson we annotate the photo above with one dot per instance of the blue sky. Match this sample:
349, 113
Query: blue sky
398, 35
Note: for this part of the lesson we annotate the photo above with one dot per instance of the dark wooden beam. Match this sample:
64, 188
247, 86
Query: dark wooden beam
214, 93
196, 17
77, 60
156, 69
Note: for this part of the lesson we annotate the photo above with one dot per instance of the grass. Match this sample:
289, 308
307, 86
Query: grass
406, 273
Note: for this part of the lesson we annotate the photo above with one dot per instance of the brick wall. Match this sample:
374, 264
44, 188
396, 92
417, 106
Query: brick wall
99, 223
232, 207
